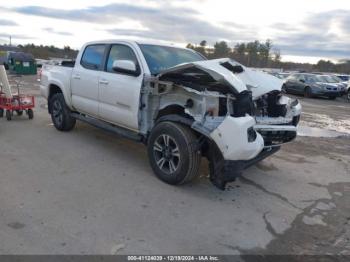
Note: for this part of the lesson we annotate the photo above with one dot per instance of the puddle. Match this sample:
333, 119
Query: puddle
321, 125
318, 132
325, 122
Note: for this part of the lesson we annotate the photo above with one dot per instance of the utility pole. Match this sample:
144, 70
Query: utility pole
10, 41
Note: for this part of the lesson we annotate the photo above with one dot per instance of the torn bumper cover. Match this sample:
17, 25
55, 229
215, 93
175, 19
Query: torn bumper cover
224, 171
238, 143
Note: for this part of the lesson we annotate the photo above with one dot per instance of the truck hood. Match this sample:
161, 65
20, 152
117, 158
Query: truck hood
222, 75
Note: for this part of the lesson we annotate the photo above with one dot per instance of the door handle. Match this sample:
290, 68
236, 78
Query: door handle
103, 82
76, 76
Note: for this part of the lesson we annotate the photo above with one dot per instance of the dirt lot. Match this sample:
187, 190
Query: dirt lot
90, 192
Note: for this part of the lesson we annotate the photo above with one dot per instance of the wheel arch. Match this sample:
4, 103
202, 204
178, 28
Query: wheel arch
55, 88
174, 113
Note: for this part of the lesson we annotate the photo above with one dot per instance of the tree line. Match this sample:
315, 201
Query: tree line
252, 54
47, 52
264, 55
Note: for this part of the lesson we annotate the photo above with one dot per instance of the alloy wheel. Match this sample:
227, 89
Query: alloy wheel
166, 153
57, 112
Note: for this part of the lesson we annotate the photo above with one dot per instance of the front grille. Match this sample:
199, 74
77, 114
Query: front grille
332, 88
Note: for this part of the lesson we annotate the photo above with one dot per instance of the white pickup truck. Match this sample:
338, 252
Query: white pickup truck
178, 103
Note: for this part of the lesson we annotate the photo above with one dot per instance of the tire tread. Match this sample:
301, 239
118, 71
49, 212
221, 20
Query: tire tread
194, 156
68, 121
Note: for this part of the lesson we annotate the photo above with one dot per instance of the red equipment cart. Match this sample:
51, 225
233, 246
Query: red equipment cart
19, 103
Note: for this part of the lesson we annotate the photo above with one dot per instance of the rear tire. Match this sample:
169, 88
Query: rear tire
60, 113
348, 95
173, 153
1, 112
8, 115
307, 92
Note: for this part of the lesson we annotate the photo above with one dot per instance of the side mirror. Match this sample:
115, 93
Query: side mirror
126, 66
301, 80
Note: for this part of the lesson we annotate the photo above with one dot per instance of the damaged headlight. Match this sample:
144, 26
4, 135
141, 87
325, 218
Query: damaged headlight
251, 134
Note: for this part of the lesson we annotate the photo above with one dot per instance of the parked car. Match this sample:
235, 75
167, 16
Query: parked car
279, 75
179, 104
344, 78
283, 75
333, 79
312, 85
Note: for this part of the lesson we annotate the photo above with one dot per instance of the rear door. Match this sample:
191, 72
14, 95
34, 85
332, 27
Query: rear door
85, 79
300, 86
290, 83
294, 83
120, 92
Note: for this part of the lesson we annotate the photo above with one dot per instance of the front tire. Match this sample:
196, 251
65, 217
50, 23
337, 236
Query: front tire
60, 113
173, 153
348, 95
307, 92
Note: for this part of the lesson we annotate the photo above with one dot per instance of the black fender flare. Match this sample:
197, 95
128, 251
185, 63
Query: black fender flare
176, 118
171, 118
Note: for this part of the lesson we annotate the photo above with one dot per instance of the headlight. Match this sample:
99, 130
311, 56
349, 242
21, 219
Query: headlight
251, 134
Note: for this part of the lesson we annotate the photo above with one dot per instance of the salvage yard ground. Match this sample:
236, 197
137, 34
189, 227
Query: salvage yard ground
91, 192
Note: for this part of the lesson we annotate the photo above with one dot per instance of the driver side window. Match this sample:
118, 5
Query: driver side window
120, 52
301, 78
293, 77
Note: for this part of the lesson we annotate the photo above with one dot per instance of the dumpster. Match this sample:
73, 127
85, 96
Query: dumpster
21, 63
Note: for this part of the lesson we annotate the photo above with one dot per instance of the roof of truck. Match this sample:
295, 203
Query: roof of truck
141, 42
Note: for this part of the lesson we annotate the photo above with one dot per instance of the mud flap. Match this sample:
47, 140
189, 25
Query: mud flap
221, 172
224, 171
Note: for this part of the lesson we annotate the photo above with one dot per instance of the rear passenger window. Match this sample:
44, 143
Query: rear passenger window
93, 56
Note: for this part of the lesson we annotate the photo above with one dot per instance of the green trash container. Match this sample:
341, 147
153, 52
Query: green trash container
22, 63
25, 68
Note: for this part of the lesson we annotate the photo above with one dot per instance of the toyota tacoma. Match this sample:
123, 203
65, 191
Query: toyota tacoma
179, 104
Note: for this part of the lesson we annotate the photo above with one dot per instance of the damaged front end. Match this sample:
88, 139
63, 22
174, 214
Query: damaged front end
240, 114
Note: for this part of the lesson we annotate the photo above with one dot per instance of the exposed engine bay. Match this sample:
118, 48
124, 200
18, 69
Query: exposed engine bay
241, 113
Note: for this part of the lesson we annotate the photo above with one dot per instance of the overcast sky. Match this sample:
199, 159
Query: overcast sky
304, 30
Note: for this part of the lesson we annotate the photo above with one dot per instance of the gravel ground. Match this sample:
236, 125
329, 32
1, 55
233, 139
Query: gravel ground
90, 192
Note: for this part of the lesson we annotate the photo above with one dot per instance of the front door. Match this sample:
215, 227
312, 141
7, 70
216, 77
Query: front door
120, 92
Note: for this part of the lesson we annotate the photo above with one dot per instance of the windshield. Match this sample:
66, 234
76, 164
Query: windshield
344, 77
336, 78
328, 79
160, 58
